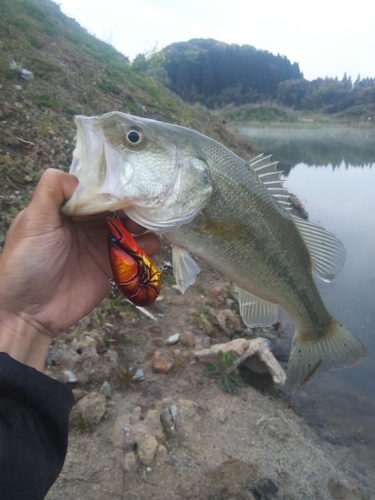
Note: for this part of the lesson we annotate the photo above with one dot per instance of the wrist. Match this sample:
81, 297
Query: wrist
23, 339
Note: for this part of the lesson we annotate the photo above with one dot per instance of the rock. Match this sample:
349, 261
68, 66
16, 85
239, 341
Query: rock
186, 418
100, 344
172, 339
92, 407
227, 321
130, 461
106, 389
147, 448
168, 421
202, 341
122, 435
136, 415
340, 492
139, 375
111, 357
188, 339
85, 346
79, 394
161, 363
57, 357
151, 424
161, 454
26, 74
130, 427
244, 349
69, 377
238, 346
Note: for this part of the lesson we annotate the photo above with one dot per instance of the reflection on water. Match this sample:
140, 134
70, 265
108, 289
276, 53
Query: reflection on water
328, 146
340, 197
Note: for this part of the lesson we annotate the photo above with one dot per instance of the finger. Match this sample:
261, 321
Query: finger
52, 190
150, 243
133, 227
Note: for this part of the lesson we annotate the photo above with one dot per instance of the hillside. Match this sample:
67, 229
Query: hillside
159, 436
216, 73
219, 75
73, 73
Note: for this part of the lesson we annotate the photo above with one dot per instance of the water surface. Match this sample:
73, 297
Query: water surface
332, 171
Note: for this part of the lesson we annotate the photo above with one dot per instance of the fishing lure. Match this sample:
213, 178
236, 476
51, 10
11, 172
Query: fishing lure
133, 271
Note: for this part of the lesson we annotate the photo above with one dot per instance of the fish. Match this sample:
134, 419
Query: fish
134, 273
231, 212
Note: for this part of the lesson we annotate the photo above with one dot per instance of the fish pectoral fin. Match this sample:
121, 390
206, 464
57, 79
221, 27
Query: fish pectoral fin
185, 269
256, 311
326, 251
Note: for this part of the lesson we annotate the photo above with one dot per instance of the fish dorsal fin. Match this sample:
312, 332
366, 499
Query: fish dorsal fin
185, 269
327, 252
267, 173
256, 311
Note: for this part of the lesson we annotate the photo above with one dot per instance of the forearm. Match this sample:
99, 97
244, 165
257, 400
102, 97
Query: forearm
24, 340
34, 411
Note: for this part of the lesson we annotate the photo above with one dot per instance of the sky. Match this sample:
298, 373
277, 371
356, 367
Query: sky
325, 37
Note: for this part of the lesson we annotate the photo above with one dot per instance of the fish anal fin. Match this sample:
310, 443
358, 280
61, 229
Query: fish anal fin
326, 251
185, 269
338, 348
256, 311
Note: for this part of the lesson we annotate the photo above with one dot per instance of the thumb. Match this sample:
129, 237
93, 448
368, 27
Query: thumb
52, 190
43, 212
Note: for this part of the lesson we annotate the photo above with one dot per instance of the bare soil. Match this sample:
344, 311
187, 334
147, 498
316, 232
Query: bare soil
177, 435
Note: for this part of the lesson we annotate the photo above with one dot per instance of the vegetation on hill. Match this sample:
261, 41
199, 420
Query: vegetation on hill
217, 74
331, 96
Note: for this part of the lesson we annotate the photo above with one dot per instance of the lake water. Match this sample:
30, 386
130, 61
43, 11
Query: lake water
332, 171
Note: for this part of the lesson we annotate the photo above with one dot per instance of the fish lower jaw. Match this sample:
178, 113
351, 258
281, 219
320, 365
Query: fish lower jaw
101, 202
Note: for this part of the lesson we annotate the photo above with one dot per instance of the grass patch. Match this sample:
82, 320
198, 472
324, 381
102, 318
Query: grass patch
46, 100
108, 87
126, 378
223, 372
200, 320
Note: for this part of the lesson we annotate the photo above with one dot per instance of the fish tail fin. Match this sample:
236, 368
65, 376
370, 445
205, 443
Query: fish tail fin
338, 348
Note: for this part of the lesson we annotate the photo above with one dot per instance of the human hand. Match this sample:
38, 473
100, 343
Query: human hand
54, 269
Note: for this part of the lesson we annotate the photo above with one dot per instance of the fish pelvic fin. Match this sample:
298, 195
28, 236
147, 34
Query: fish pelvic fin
185, 269
338, 348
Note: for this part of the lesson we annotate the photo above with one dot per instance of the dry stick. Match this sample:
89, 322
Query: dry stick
23, 140
80, 480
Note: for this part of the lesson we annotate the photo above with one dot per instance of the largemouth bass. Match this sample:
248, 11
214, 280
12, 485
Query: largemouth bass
232, 213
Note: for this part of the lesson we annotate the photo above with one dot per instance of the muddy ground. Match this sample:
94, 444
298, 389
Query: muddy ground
178, 435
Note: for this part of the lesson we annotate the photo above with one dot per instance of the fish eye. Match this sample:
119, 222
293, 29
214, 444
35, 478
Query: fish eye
134, 137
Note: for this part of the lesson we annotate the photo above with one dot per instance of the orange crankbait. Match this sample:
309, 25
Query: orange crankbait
133, 271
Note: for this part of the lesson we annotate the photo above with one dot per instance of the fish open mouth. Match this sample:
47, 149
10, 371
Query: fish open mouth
91, 159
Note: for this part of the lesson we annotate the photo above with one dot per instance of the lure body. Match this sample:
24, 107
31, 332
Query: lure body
133, 271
